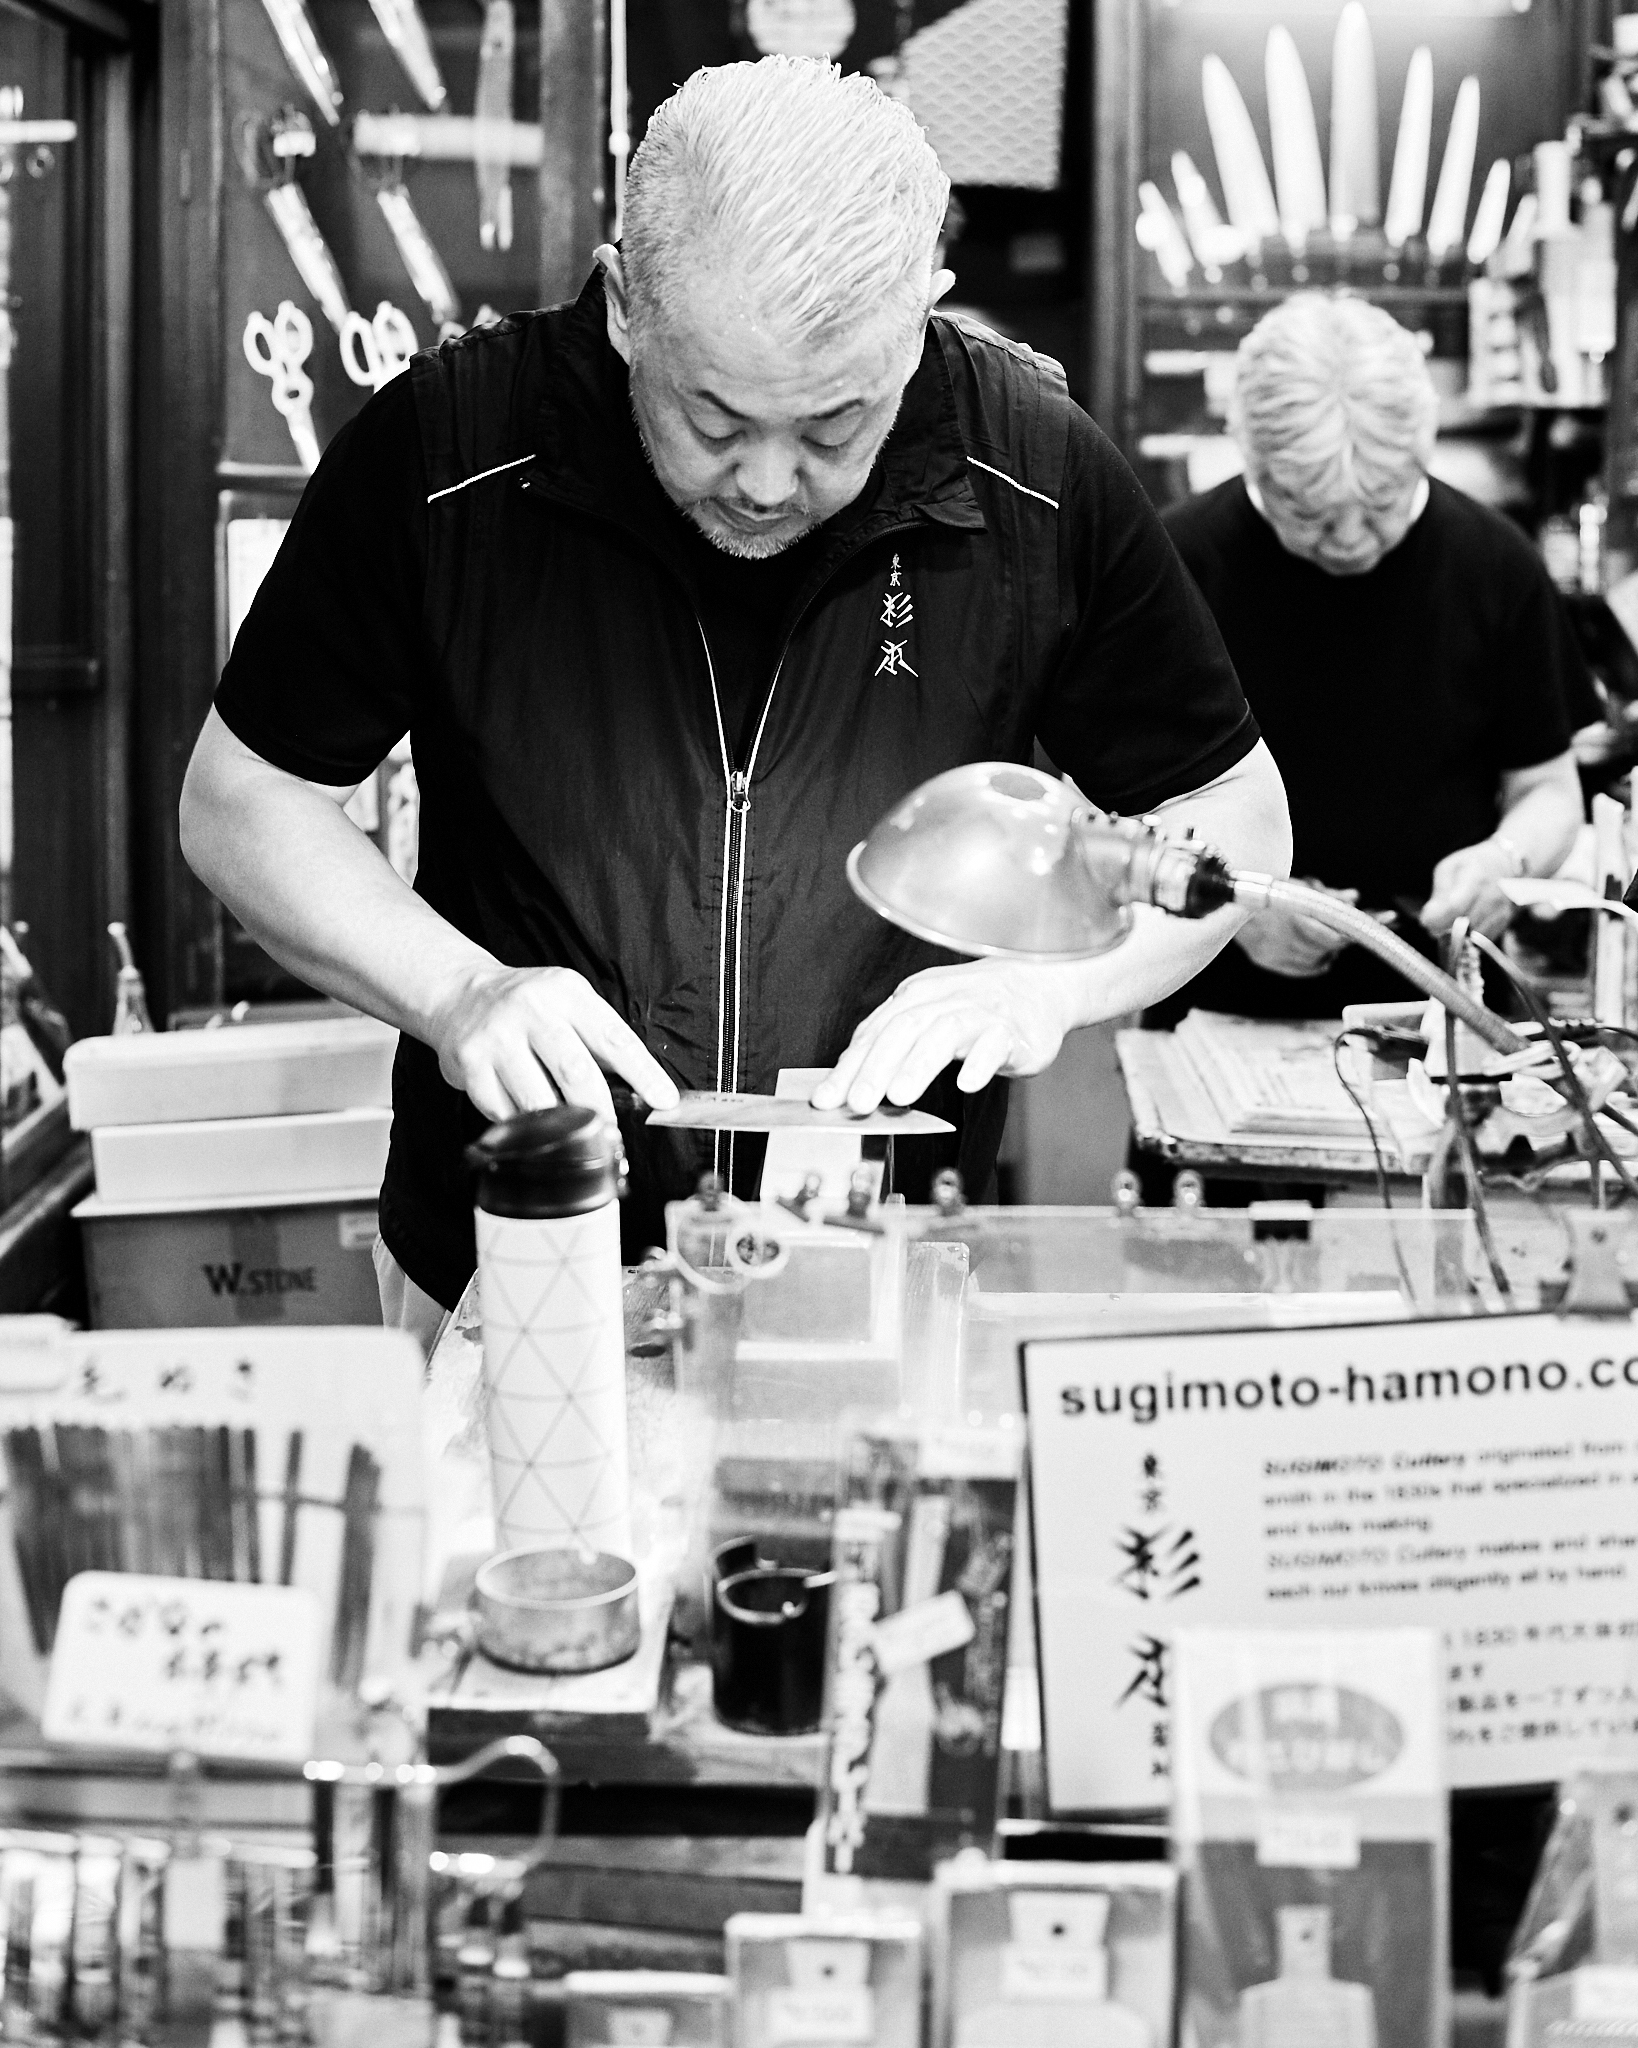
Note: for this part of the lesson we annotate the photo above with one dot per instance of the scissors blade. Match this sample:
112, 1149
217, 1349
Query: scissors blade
496, 53
299, 419
306, 55
405, 29
420, 256
316, 267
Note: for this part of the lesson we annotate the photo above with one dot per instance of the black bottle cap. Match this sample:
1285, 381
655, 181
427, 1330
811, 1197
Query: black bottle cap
547, 1162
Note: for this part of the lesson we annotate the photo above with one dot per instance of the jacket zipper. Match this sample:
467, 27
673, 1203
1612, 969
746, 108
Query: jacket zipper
736, 826
736, 831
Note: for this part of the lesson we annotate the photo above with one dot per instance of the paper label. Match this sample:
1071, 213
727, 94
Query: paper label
1602, 1991
1066, 1975
964, 1451
639, 2026
161, 1664
357, 1229
842, 2012
1308, 1841
916, 1635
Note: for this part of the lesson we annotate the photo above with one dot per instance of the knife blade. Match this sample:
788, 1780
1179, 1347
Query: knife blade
704, 1110
1491, 217
1299, 175
306, 55
1241, 171
1356, 200
1408, 187
404, 27
1447, 223
309, 251
420, 254
1159, 233
493, 103
1214, 242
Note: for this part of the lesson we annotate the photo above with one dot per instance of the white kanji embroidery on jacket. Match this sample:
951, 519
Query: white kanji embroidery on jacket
898, 612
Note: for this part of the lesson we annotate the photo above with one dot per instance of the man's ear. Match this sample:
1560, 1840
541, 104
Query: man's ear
617, 300
943, 280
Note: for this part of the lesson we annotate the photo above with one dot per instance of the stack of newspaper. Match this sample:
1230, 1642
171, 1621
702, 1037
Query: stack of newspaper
1277, 1080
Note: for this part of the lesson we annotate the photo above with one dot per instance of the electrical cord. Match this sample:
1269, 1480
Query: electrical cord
1573, 1087
1464, 1139
1382, 1184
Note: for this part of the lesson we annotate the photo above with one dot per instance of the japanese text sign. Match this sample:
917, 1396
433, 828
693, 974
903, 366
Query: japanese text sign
162, 1664
1479, 1477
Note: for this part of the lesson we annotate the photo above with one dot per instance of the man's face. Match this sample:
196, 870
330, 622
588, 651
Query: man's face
756, 438
1346, 540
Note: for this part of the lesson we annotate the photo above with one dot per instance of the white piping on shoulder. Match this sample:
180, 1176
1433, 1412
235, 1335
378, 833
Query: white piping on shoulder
499, 469
1024, 489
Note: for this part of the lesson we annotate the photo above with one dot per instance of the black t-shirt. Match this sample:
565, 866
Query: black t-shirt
1392, 704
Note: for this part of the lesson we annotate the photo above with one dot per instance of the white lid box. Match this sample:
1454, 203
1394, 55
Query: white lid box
242, 1070
241, 1156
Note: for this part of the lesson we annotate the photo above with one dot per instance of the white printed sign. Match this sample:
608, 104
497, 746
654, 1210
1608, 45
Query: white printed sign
160, 1665
1479, 1477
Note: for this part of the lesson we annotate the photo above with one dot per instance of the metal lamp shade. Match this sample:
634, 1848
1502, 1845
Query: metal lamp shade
986, 859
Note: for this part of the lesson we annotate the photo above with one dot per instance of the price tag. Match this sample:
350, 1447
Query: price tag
840, 2012
1307, 1840
1604, 1991
1054, 1970
916, 1635
163, 1664
639, 2026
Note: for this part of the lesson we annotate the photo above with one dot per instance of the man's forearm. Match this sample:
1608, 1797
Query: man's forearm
1244, 816
1541, 827
318, 895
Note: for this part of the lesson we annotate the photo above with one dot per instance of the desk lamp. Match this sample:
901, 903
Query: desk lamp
1002, 860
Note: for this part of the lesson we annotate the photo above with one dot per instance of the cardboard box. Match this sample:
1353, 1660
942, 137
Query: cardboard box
247, 1155
194, 1265
242, 1070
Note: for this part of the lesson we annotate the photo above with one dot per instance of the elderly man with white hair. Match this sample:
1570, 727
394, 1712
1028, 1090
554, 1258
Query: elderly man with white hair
1401, 647
677, 590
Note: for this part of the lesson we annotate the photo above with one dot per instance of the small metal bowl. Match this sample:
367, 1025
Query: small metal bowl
556, 1610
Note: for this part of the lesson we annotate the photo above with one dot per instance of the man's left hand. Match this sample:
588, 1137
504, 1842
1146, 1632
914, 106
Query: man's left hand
994, 1016
1464, 885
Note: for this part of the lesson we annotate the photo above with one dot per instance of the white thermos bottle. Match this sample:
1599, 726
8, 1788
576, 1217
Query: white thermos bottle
548, 1221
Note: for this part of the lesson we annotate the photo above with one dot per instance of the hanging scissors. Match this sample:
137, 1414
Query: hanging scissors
276, 349
375, 351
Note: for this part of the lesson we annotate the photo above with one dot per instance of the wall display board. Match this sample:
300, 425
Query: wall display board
1477, 1476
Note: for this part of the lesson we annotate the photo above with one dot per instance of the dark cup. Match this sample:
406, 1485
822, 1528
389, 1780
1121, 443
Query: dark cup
768, 1628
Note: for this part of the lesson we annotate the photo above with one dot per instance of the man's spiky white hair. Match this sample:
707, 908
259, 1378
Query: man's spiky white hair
1332, 404
822, 192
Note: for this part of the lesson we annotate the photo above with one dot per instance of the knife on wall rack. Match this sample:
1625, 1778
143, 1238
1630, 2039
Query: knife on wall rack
1355, 172
1247, 193
1299, 174
1408, 186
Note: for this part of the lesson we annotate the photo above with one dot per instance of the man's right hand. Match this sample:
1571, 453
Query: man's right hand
1296, 947
519, 1038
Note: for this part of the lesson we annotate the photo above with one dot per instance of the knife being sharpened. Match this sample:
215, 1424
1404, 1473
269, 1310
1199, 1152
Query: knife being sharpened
702, 1110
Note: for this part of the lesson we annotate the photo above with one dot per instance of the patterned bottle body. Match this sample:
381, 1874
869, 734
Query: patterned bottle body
554, 1360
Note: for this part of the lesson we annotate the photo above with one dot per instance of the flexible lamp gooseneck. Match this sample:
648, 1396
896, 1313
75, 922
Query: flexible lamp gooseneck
997, 859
